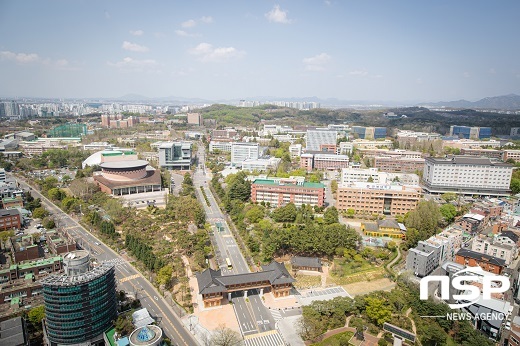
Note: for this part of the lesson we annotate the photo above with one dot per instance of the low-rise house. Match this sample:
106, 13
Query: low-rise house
306, 263
384, 228
486, 262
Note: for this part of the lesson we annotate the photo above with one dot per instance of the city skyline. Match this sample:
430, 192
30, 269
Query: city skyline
401, 51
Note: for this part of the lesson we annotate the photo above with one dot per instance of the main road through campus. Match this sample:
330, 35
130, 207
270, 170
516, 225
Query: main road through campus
129, 279
253, 317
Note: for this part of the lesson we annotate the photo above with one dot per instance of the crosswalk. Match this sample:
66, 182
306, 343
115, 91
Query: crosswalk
128, 278
270, 338
277, 315
116, 261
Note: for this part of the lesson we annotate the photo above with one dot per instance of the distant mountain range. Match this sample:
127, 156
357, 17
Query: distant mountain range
506, 102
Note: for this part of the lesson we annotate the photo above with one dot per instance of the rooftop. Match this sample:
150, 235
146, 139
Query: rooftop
467, 160
124, 164
481, 257
312, 262
287, 183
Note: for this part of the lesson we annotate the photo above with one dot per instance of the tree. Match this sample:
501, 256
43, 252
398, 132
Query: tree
449, 196
123, 325
448, 211
334, 186
36, 315
350, 213
164, 275
426, 217
226, 337
40, 213
4, 235
285, 214
377, 311
48, 222
331, 215
56, 194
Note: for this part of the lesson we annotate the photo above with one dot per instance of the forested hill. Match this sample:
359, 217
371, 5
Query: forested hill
417, 118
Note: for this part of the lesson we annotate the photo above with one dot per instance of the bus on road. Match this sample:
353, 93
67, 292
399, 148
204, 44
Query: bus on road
228, 262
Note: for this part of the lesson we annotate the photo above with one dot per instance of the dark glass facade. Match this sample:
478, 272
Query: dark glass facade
82, 308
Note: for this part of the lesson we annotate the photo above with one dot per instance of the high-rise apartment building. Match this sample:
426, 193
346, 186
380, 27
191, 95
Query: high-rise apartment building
194, 119
468, 175
175, 155
81, 303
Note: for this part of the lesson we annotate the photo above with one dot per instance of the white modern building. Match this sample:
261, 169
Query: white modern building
372, 144
353, 175
242, 151
295, 150
467, 175
345, 148
220, 146
2, 175
319, 138
175, 155
261, 164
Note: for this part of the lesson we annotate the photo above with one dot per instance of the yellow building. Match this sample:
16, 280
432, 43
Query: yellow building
384, 228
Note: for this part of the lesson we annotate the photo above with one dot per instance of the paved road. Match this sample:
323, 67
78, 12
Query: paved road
252, 315
129, 279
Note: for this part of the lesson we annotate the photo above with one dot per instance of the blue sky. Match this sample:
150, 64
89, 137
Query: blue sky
351, 50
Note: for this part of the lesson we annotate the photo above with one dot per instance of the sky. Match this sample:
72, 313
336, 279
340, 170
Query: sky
221, 50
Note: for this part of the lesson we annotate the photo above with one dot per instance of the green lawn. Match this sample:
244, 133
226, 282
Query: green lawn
336, 340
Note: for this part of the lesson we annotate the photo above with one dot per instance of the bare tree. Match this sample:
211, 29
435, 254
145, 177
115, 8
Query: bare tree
226, 337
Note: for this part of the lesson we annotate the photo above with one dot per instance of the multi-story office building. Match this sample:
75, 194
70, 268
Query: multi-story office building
194, 119
470, 132
307, 162
320, 139
345, 148
490, 153
515, 132
398, 164
511, 154
261, 164
226, 134
467, 175
81, 303
220, 146
281, 191
372, 144
354, 175
470, 143
375, 198
241, 151
330, 162
405, 137
295, 150
175, 155
369, 132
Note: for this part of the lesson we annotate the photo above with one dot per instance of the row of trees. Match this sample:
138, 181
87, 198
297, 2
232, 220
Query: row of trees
143, 252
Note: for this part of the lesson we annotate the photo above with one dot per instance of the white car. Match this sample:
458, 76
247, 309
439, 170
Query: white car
508, 325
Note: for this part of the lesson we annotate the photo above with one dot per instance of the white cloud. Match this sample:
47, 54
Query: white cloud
130, 64
317, 62
277, 15
208, 53
189, 23
358, 73
206, 19
21, 58
134, 47
183, 33
137, 32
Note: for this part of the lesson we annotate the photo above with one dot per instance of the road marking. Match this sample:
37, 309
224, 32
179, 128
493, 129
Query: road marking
167, 319
129, 278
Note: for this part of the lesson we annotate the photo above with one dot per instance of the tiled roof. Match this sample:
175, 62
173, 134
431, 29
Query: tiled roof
312, 262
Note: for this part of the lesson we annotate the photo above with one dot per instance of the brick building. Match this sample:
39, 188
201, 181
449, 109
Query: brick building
378, 198
472, 259
281, 191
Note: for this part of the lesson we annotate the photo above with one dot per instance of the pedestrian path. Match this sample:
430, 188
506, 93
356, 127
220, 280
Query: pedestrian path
270, 338
116, 261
